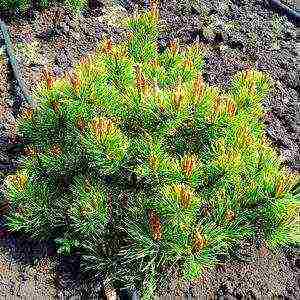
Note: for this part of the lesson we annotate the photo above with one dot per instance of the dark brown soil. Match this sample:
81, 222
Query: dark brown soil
256, 274
290, 3
57, 39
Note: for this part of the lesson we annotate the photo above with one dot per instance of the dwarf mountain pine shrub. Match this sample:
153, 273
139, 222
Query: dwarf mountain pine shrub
140, 164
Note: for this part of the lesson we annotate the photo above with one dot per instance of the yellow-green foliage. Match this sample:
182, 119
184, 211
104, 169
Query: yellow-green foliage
140, 162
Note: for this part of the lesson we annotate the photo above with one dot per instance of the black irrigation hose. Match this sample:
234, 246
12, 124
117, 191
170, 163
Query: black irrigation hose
292, 15
13, 62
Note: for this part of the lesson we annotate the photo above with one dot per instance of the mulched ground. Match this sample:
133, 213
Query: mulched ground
26, 271
236, 33
290, 3
255, 273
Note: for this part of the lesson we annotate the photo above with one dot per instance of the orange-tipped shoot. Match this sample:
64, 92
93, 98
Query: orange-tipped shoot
27, 114
184, 194
80, 124
55, 106
285, 183
188, 164
49, 78
153, 162
174, 47
178, 95
107, 46
56, 150
20, 180
155, 225
140, 79
188, 63
199, 86
199, 241
230, 215
101, 126
231, 108
30, 151
154, 9
154, 63
75, 80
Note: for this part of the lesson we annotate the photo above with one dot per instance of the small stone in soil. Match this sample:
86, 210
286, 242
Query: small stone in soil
264, 251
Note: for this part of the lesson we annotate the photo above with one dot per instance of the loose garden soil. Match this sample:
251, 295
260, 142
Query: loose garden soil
235, 34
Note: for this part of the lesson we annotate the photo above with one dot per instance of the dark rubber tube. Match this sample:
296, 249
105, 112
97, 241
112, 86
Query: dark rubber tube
292, 15
13, 62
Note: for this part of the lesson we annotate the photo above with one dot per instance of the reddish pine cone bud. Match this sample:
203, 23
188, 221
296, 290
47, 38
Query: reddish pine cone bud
185, 197
155, 225
154, 63
189, 162
102, 126
280, 188
178, 96
56, 150
154, 9
80, 124
264, 251
83, 60
141, 82
248, 72
49, 78
27, 114
30, 151
230, 215
55, 106
217, 104
130, 35
198, 86
75, 81
188, 63
199, 241
86, 60
140, 78
174, 47
231, 109
107, 46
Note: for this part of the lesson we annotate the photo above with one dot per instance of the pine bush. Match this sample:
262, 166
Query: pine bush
138, 163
